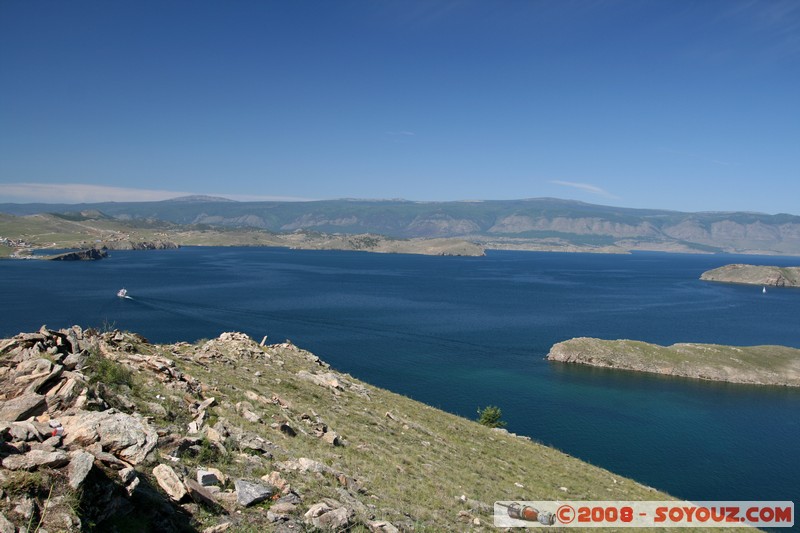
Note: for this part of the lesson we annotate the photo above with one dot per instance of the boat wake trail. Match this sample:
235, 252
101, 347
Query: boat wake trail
237, 319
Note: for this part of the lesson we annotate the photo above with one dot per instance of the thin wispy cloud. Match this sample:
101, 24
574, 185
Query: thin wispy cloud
776, 20
585, 187
76, 193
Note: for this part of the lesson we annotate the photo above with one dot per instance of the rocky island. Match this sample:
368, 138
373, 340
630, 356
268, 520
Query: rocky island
755, 365
104, 430
767, 276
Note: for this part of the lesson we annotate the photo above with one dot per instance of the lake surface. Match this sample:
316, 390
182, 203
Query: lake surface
461, 333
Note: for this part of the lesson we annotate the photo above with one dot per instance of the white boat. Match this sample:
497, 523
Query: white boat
122, 293
763, 290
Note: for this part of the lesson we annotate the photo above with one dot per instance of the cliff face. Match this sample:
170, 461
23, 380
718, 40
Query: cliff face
756, 365
770, 276
140, 245
109, 431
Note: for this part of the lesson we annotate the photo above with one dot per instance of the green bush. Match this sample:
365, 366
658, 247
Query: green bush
100, 369
490, 416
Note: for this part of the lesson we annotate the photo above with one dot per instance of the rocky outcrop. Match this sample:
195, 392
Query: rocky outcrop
64, 400
755, 365
48, 431
578, 226
91, 254
767, 276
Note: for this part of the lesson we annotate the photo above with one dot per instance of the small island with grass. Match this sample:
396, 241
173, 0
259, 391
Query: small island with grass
766, 276
755, 365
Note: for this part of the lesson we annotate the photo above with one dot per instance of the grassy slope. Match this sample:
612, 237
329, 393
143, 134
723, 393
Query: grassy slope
414, 465
777, 365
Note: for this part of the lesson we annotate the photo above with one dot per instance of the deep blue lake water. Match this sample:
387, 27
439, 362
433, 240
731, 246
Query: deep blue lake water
460, 333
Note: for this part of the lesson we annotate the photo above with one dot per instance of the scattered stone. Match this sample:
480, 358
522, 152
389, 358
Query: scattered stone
274, 478
382, 527
213, 435
199, 494
25, 431
349, 483
283, 508
130, 488
169, 481
220, 476
250, 416
251, 441
208, 402
219, 528
25, 508
157, 409
290, 497
277, 400
5, 525
249, 493
126, 475
255, 397
304, 464
79, 467
327, 380
329, 515
332, 438
287, 430
206, 478
35, 459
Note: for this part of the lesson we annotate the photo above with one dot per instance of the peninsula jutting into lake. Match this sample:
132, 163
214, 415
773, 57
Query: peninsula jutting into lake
756, 365
766, 276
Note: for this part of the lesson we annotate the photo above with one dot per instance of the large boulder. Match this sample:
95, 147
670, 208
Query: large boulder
35, 459
23, 407
169, 481
128, 437
79, 467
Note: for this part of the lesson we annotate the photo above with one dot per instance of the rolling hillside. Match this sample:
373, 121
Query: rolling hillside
540, 223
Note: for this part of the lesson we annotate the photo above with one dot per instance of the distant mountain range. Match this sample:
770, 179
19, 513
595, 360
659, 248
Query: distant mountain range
539, 223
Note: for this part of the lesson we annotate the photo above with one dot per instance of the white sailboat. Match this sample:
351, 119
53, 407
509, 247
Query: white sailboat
763, 290
122, 293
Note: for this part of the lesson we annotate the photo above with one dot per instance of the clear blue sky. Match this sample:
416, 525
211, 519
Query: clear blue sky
679, 104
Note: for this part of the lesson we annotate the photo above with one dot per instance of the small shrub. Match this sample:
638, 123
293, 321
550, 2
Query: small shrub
111, 373
22, 482
208, 452
490, 416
